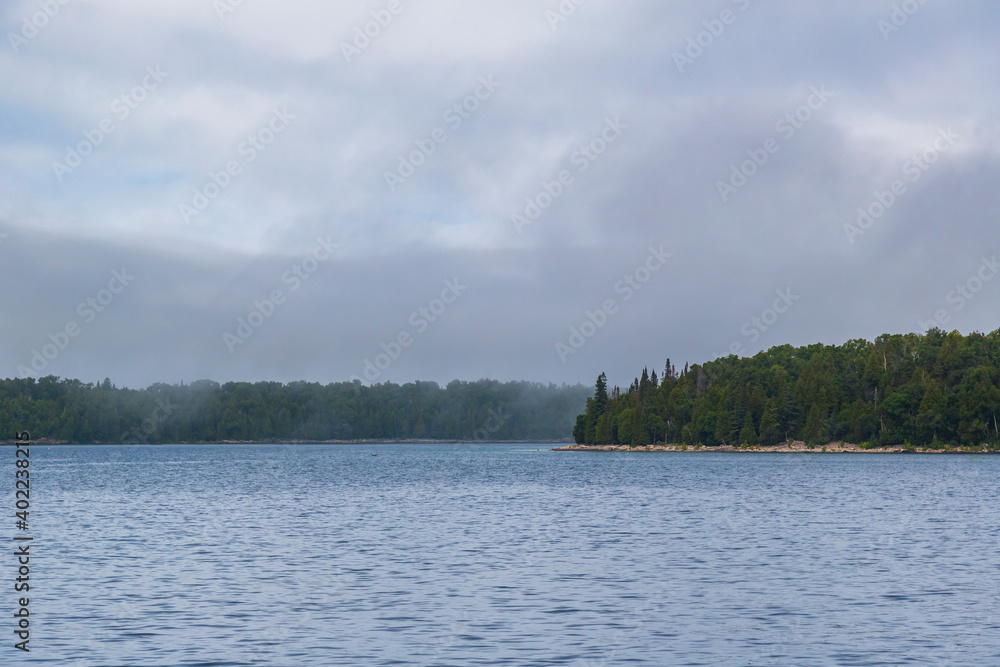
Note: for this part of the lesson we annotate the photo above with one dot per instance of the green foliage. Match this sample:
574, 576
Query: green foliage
908, 390
747, 435
206, 411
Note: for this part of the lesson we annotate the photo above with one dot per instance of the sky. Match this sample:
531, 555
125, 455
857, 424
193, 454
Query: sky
519, 189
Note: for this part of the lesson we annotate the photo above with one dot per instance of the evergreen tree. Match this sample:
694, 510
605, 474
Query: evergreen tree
747, 434
900, 389
931, 414
601, 394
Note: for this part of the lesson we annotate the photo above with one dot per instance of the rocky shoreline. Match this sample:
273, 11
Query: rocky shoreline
796, 446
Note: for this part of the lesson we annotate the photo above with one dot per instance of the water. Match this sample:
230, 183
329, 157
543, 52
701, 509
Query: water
506, 555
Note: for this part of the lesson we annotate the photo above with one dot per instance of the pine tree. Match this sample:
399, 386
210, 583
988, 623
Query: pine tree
770, 428
930, 414
601, 394
747, 435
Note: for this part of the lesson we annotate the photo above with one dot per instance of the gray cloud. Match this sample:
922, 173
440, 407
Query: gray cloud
323, 176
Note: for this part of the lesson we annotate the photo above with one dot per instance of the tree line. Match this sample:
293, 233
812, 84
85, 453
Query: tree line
205, 411
929, 390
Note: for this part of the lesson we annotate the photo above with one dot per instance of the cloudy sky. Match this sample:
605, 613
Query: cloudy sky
515, 189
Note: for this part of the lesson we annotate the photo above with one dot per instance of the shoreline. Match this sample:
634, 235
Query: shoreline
376, 441
794, 447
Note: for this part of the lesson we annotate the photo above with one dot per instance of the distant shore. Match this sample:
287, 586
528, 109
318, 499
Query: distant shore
794, 447
377, 441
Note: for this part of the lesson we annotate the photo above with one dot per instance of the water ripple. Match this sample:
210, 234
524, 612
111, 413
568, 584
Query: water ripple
510, 555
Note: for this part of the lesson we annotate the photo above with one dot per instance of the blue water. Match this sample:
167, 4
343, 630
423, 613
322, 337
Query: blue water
506, 555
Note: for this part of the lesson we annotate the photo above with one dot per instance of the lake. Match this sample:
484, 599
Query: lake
506, 554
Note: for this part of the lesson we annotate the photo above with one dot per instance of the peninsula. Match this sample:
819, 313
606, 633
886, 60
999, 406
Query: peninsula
913, 392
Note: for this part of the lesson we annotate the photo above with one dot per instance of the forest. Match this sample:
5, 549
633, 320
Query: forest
932, 390
205, 411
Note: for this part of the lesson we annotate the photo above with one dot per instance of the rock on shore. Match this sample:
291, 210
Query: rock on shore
795, 446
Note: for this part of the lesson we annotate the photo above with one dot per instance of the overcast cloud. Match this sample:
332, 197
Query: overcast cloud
887, 94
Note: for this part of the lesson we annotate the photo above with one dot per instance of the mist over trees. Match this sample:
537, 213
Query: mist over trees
205, 411
931, 389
